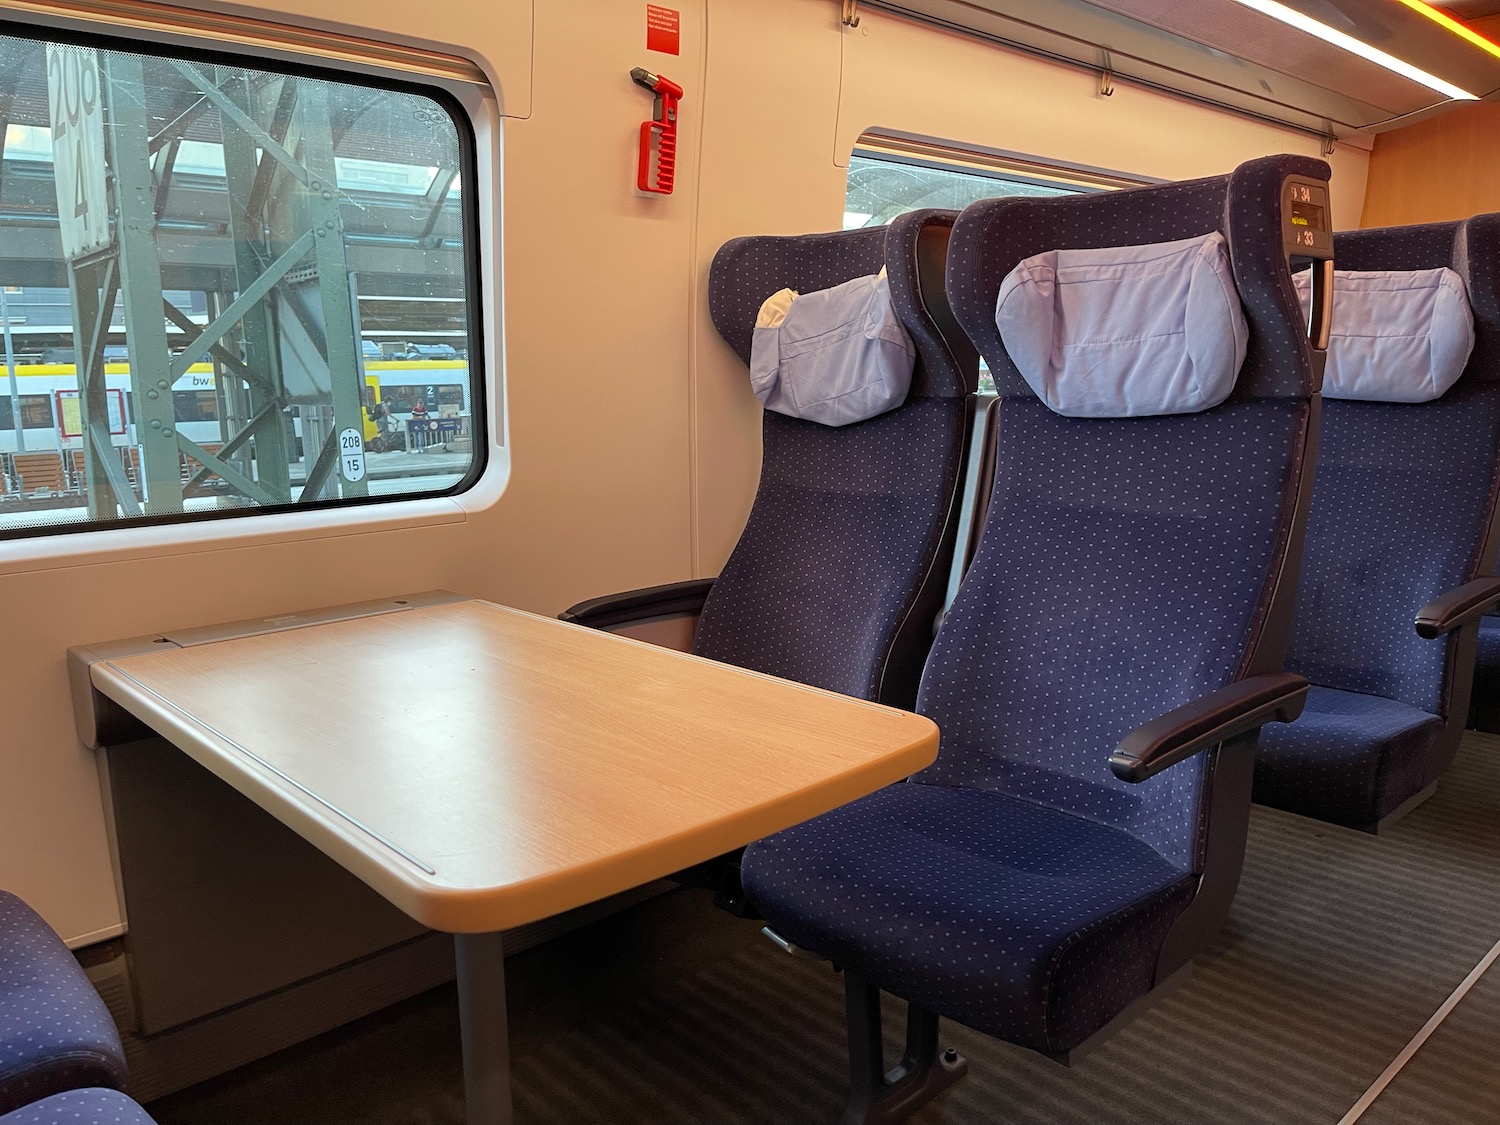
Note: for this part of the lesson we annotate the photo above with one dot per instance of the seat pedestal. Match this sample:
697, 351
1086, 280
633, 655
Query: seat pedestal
881, 1097
1388, 821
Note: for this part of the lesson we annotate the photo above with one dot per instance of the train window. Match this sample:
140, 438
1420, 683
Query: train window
198, 253
890, 175
195, 406
880, 188
36, 413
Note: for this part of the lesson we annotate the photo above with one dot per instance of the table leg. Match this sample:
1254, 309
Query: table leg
481, 1015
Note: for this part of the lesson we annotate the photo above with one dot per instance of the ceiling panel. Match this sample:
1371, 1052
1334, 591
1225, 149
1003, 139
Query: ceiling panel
1221, 51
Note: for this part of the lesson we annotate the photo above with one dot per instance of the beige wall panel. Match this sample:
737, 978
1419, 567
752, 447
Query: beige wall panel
599, 288
772, 97
1438, 169
597, 353
783, 72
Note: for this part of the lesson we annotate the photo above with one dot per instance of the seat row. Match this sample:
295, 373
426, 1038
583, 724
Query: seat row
1110, 566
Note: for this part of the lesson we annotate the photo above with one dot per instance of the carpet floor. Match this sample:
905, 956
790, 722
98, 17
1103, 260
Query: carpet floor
1340, 947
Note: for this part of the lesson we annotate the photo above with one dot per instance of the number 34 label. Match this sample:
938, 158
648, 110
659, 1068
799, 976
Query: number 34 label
351, 455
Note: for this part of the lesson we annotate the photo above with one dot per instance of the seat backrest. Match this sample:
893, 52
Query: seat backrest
1127, 566
840, 571
1404, 508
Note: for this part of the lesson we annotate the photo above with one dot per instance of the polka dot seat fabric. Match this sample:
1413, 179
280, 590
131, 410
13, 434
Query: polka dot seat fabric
55, 1032
843, 562
1402, 513
1126, 567
80, 1107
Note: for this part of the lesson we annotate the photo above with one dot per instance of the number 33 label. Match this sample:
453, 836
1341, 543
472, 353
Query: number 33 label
351, 455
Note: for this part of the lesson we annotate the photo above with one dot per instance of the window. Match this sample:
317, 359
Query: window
192, 249
36, 413
195, 406
882, 187
400, 397
889, 176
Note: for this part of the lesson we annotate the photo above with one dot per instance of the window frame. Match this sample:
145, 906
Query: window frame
463, 91
992, 163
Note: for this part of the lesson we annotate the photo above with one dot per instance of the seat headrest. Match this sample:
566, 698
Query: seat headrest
912, 250
835, 356
1126, 331
991, 236
1398, 335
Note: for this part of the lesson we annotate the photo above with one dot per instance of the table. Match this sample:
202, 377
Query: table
482, 767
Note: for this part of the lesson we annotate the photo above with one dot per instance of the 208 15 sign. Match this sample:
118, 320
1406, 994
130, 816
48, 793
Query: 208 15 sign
75, 89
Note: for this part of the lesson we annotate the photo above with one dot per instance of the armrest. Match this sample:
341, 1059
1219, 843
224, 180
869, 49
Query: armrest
1184, 731
684, 598
1469, 602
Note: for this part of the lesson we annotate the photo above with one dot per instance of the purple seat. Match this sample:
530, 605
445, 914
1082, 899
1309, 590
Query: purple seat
1131, 592
55, 1032
80, 1107
1402, 522
844, 562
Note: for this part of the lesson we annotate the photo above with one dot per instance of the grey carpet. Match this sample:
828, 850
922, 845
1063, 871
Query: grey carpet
1340, 947
1455, 1077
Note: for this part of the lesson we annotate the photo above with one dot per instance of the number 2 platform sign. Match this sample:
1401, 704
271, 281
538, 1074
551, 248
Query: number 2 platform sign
75, 89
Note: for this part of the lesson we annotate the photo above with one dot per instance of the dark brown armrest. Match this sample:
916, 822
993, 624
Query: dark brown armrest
1469, 602
675, 598
1204, 723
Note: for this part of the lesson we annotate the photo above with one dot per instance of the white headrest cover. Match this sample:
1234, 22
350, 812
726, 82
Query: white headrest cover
1126, 331
1398, 335
836, 356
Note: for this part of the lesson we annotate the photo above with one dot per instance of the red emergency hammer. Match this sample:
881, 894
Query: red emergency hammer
663, 123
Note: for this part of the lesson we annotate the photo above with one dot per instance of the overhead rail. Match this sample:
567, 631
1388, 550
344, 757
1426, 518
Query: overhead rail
1232, 55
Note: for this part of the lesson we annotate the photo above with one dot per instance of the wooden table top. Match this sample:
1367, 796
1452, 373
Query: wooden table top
482, 767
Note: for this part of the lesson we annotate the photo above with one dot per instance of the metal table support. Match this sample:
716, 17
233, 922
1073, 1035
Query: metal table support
481, 1017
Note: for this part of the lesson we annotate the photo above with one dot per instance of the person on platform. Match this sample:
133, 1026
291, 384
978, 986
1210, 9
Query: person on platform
419, 433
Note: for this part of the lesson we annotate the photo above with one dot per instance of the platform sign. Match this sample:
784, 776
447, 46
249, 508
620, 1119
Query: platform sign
75, 103
70, 412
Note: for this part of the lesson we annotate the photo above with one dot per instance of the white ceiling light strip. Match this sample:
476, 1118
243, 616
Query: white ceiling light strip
1294, 18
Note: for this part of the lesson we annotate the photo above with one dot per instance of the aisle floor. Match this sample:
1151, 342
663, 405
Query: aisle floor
1340, 948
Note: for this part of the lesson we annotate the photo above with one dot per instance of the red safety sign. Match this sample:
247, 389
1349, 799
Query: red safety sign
663, 30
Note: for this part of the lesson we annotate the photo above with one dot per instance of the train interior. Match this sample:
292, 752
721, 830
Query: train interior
1113, 384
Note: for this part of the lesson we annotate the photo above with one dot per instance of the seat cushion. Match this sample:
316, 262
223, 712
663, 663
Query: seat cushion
80, 1107
55, 1032
1016, 919
1350, 759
